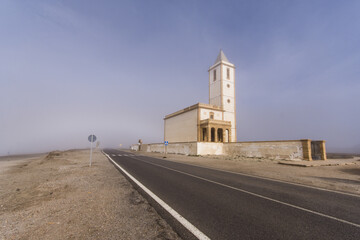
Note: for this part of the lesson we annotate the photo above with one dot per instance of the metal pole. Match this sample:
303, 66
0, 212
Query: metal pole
91, 149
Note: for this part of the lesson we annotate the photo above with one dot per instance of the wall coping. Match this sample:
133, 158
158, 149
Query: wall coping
300, 140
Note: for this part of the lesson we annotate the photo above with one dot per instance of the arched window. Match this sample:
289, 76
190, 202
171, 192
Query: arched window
228, 73
214, 76
211, 115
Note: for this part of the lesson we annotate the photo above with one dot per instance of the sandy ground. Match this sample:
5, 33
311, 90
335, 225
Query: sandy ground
345, 178
59, 196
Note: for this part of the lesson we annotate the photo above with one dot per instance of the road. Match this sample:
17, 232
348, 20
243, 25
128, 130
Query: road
225, 205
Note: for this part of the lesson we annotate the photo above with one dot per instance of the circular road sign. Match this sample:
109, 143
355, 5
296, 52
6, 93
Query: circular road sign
92, 138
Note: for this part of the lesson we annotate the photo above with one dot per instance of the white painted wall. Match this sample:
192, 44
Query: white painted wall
228, 91
232, 72
174, 148
230, 116
205, 114
277, 150
208, 148
214, 97
229, 94
181, 128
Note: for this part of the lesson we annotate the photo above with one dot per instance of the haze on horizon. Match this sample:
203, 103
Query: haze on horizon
116, 68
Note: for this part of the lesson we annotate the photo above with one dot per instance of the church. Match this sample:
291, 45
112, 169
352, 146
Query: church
212, 122
210, 128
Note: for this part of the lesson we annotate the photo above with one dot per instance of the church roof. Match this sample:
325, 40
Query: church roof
221, 57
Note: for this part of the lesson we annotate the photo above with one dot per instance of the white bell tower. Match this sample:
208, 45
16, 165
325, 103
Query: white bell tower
222, 90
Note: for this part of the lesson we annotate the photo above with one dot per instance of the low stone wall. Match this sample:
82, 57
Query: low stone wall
289, 150
210, 148
295, 150
178, 148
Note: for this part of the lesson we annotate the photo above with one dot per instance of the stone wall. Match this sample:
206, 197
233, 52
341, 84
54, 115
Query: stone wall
289, 150
209, 148
177, 148
295, 150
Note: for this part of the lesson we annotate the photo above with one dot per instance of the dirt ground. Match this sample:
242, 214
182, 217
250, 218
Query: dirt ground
58, 196
345, 178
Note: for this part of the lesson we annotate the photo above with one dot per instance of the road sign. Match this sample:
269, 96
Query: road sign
166, 143
92, 138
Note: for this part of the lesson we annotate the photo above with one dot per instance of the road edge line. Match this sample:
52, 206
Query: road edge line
190, 227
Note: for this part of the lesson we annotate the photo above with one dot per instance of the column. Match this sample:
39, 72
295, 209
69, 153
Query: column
306, 144
208, 137
323, 150
215, 135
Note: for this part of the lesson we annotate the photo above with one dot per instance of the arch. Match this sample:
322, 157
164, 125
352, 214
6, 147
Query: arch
212, 135
220, 135
204, 134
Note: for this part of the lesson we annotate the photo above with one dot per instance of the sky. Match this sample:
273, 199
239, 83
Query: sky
116, 68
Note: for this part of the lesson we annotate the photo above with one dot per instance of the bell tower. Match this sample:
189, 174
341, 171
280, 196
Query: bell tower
222, 90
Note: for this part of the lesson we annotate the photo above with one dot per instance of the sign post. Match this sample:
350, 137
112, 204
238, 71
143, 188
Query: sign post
165, 147
91, 138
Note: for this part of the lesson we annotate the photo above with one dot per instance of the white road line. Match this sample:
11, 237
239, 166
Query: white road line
257, 195
114, 155
265, 178
197, 233
119, 155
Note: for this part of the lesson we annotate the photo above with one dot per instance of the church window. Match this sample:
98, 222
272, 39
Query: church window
228, 100
228, 85
211, 115
228, 73
214, 75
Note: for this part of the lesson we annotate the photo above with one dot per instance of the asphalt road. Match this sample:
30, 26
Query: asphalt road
226, 205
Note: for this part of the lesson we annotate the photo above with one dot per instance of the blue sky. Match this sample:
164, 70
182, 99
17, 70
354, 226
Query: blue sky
116, 68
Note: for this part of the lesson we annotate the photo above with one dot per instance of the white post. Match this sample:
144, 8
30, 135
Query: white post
91, 149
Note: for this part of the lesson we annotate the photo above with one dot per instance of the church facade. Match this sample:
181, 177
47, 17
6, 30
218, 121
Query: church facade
212, 122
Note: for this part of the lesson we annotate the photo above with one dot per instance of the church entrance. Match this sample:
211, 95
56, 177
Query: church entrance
210, 130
